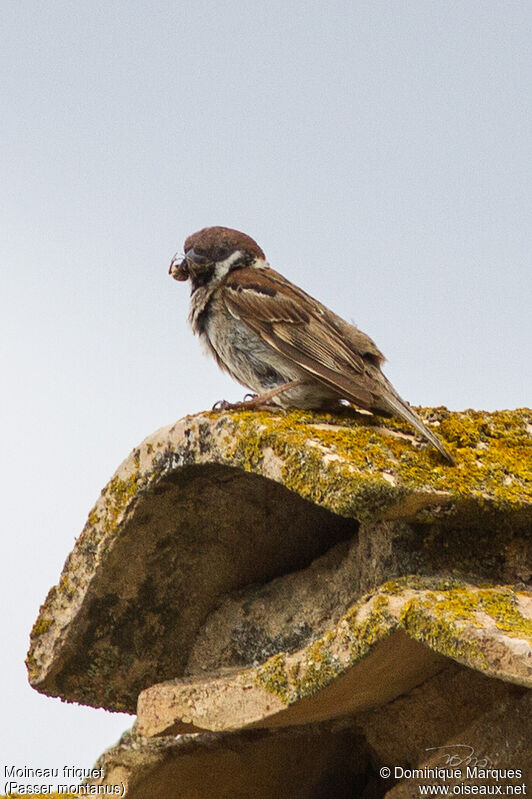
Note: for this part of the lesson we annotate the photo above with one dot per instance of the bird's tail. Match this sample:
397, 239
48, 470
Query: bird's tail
392, 403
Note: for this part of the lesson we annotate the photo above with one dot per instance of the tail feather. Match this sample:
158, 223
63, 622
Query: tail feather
391, 402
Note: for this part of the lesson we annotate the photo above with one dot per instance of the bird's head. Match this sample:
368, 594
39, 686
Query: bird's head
212, 253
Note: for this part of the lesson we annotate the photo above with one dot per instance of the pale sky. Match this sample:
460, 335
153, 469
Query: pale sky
379, 152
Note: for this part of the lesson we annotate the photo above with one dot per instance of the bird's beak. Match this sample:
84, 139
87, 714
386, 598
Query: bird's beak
178, 270
181, 271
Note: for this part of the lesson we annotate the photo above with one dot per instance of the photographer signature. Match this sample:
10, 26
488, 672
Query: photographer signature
466, 755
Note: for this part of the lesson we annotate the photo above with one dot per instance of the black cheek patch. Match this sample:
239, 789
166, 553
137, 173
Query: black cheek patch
200, 277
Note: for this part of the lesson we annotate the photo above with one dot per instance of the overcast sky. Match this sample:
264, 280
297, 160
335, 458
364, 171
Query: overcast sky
380, 153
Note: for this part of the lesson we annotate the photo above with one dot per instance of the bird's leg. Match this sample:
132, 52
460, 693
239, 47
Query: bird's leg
264, 399
257, 400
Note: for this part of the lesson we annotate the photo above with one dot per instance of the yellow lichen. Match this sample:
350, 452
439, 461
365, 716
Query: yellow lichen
441, 613
321, 454
363, 633
43, 795
118, 493
440, 633
418, 583
302, 448
320, 663
344, 463
441, 620
41, 625
272, 677
65, 587
319, 668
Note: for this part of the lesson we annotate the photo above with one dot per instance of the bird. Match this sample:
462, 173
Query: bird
288, 348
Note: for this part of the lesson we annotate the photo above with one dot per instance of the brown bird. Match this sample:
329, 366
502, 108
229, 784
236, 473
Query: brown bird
278, 341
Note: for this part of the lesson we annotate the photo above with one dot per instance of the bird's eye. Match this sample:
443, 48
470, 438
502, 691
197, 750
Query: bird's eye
196, 257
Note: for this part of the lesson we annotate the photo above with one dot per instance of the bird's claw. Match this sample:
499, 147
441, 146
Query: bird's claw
222, 405
250, 401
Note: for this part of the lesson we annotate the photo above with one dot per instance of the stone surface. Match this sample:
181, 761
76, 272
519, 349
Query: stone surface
382, 647
211, 510
303, 763
298, 600
242, 700
457, 716
457, 719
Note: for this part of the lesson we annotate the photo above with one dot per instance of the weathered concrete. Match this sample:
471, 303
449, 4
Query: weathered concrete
380, 649
457, 719
220, 502
458, 716
306, 763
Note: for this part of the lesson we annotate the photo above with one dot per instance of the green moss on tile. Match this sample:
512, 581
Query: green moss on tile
41, 625
464, 604
363, 633
502, 606
65, 586
440, 634
441, 613
418, 583
118, 493
94, 517
273, 678
319, 668
323, 454
321, 662
357, 467
438, 619
318, 462
31, 665
43, 795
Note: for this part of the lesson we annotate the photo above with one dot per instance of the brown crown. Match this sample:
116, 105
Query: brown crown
219, 242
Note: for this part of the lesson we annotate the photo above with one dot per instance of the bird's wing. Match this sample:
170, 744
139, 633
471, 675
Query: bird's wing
301, 329
313, 337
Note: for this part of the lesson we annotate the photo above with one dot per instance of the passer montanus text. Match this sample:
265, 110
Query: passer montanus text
277, 340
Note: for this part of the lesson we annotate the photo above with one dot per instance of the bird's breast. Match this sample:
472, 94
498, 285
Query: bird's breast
238, 349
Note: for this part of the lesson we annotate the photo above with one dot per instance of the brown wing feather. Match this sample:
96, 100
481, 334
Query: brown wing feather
299, 328
334, 352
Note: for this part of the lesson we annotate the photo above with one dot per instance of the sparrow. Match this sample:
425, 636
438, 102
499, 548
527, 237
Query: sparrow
278, 341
